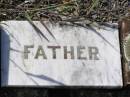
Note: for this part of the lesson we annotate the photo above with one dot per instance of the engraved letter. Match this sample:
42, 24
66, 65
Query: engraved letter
71, 52
93, 52
80, 52
26, 51
40, 52
54, 50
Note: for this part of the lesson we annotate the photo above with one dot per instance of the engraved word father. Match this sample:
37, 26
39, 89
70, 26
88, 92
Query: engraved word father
68, 52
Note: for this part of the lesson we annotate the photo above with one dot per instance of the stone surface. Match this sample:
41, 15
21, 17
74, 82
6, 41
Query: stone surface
94, 60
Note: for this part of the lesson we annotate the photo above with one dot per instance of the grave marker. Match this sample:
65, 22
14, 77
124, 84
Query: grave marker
74, 56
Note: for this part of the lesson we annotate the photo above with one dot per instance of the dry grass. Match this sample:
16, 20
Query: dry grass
62, 10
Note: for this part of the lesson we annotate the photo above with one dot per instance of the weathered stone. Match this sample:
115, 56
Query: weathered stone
76, 56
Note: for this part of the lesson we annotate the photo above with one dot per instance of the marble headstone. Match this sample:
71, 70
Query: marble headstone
46, 54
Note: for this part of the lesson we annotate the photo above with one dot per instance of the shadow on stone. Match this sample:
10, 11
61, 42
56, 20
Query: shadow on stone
43, 77
5, 47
